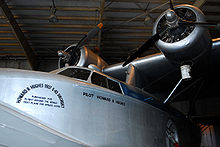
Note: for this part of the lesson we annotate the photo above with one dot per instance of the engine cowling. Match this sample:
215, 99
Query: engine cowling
185, 43
82, 57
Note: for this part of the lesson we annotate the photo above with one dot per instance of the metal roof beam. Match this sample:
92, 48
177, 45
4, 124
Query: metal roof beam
41, 25
212, 3
46, 8
77, 18
154, 1
124, 33
19, 34
86, 9
199, 3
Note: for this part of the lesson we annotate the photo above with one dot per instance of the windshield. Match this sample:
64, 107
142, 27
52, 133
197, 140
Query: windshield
77, 73
103, 81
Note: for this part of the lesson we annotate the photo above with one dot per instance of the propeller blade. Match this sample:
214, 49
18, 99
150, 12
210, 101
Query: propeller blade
172, 8
70, 55
205, 24
187, 23
143, 48
90, 35
87, 37
171, 5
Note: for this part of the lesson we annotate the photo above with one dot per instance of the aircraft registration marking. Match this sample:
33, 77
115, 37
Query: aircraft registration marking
41, 100
103, 98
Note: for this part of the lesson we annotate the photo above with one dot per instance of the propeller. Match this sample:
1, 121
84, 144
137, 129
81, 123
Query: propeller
172, 24
150, 42
69, 55
173, 21
89, 36
171, 5
143, 48
190, 23
204, 24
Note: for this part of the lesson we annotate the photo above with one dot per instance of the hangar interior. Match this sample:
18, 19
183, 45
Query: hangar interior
127, 25
38, 29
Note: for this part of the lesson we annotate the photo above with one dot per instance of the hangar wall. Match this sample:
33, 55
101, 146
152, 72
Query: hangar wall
44, 65
19, 64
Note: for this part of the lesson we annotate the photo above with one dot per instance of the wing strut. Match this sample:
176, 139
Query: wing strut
167, 99
185, 72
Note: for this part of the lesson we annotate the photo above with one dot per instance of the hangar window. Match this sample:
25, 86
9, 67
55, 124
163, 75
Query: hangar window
77, 73
103, 81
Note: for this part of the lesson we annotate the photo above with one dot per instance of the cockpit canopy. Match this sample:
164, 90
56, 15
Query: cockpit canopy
78, 73
91, 76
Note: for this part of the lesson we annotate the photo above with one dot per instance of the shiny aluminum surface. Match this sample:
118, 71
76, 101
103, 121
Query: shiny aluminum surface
85, 115
83, 57
192, 47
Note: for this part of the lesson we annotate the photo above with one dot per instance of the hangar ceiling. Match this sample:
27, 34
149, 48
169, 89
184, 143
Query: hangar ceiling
127, 24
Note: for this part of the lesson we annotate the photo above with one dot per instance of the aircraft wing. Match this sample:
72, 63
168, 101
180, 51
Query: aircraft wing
149, 69
158, 76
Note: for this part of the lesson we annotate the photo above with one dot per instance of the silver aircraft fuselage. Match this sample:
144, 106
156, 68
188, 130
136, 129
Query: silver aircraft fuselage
47, 109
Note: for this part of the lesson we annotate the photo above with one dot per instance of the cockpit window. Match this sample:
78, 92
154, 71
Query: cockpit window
114, 86
77, 73
99, 80
103, 81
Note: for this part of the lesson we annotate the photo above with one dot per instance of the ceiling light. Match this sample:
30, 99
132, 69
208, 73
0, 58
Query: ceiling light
53, 17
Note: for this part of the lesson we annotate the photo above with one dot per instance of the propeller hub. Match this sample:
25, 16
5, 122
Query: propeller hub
172, 18
64, 55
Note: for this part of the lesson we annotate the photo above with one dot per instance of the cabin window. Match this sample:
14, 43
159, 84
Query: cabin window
77, 73
102, 81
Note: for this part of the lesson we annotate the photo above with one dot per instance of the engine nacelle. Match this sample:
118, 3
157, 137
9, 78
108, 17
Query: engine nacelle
185, 43
82, 57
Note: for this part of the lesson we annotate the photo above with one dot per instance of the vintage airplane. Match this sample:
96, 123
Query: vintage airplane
81, 104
